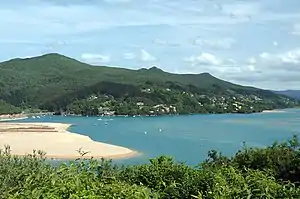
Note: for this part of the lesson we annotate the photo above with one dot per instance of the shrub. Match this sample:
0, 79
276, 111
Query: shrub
272, 172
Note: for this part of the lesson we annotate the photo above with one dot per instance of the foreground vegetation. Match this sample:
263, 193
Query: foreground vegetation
272, 172
72, 87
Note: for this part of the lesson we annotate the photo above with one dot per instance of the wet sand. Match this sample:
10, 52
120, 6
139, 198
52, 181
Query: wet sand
56, 141
273, 111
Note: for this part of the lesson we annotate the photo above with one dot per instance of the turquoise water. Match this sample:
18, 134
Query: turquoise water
187, 138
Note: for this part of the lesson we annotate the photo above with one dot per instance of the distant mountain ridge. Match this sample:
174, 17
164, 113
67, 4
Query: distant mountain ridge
290, 93
54, 81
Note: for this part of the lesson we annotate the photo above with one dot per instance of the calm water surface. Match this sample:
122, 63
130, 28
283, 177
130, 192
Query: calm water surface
187, 138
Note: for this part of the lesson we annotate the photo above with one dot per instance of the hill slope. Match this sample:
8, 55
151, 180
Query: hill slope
6, 108
54, 82
290, 93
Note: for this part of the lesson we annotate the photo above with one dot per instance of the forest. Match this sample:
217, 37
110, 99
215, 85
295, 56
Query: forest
57, 83
6, 108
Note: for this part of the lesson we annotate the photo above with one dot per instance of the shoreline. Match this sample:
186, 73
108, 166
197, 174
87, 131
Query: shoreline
13, 119
57, 142
274, 111
281, 110
20, 116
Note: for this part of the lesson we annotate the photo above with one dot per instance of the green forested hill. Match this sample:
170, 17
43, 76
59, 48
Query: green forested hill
55, 82
6, 108
290, 93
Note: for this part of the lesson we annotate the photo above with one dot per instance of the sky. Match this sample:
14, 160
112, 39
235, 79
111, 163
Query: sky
249, 42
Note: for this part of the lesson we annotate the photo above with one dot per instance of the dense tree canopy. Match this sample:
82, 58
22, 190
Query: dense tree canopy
6, 108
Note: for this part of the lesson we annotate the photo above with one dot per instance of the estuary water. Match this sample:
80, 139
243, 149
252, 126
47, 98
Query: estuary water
187, 138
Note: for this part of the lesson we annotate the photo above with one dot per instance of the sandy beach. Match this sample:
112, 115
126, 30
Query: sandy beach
12, 117
273, 111
56, 141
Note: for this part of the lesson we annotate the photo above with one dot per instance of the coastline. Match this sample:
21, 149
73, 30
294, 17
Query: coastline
178, 114
12, 117
273, 111
57, 142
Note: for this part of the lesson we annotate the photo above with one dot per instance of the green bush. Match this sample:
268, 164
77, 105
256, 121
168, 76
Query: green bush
229, 182
170, 179
176, 180
33, 177
282, 159
251, 173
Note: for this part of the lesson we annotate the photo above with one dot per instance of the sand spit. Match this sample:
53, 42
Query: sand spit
273, 111
56, 141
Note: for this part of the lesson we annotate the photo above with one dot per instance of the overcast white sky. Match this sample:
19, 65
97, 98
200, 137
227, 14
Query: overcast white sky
244, 41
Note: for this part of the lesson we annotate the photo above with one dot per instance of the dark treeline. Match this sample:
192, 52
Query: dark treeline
108, 88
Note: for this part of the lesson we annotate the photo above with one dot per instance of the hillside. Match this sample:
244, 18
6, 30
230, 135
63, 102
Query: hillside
290, 93
55, 82
6, 108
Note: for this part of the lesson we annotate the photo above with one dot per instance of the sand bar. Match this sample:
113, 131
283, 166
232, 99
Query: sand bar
56, 141
273, 111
